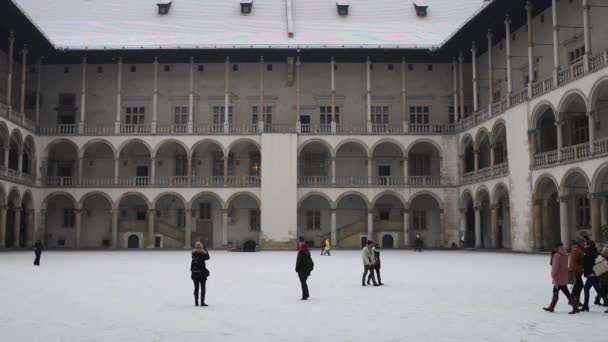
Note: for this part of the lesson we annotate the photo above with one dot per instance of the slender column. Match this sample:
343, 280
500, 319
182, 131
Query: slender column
477, 227
405, 171
475, 88
20, 161
31, 228
38, 86
153, 170
494, 226
333, 94
556, 63
463, 226
404, 98
226, 156
83, 95
558, 125
9, 81
586, 30
188, 229
191, 98
531, 80
224, 227
189, 171
492, 155
42, 226
155, 97
333, 170
16, 227
476, 159
406, 227
369, 171
80, 169
116, 166
604, 218
261, 111
490, 69
370, 224
2, 226
591, 131
596, 219
226, 95
509, 57
23, 78
538, 225
6, 156
368, 93
77, 226
563, 221
298, 113
334, 228
455, 87
115, 213
151, 217
460, 87
118, 95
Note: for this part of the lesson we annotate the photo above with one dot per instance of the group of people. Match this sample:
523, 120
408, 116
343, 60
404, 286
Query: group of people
584, 260
371, 264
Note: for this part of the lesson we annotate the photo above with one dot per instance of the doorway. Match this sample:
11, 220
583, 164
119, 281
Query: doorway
388, 241
141, 175
384, 172
133, 241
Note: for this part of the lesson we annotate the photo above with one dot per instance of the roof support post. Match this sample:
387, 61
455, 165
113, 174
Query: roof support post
586, 30
368, 69
490, 71
261, 111
155, 97
190, 126
9, 80
83, 96
404, 97
531, 80
460, 87
474, 67
23, 79
226, 122
38, 85
509, 63
333, 95
118, 96
556, 62
455, 86
298, 123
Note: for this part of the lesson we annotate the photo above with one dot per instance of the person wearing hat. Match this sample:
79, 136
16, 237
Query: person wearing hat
304, 266
199, 272
576, 269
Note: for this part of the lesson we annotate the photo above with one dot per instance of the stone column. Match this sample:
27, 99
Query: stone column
564, 221
115, 213
226, 156
476, 158
587, 34
118, 96
405, 171
152, 170
77, 226
23, 78
604, 218
31, 228
224, 227
16, 227
226, 95
298, 105
474, 68
370, 224
509, 57
368, 69
463, 226
404, 104
83, 95
20, 160
261, 110
460, 87
332, 102
334, 228
369, 170
591, 123
189, 171
558, 125
42, 226
188, 229
529, 8
333, 170
455, 87
153, 128
490, 37
151, 238
9, 75
2, 226
38, 86
406, 227
492, 155
80, 170
556, 63
477, 227
494, 226
538, 225
116, 168
190, 126
6, 152
596, 219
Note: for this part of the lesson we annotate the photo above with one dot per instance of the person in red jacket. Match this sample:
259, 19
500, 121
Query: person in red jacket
559, 275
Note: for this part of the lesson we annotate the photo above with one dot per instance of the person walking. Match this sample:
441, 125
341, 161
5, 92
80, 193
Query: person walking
592, 279
327, 248
559, 275
376, 266
37, 252
368, 262
304, 266
199, 272
418, 243
576, 269
603, 280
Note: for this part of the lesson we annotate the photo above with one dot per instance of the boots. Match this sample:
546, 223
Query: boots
552, 305
574, 303
196, 299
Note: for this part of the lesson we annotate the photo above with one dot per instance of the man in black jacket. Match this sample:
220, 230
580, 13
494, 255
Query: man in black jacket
37, 252
199, 272
304, 265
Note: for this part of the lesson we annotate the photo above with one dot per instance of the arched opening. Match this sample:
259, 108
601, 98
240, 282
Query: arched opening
468, 154
244, 164
29, 155
546, 130
4, 146
483, 150
170, 221
135, 164
499, 144
425, 220
485, 223
15, 149
388, 216
547, 201
424, 164
26, 228
600, 117
600, 188
388, 242
468, 208
60, 221
351, 220
351, 164
314, 165
96, 230
314, 220
575, 194
13, 213
62, 164
171, 164
208, 164
503, 217
133, 242
244, 220
98, 164
133, 218
207, 209
575, 123
387, 165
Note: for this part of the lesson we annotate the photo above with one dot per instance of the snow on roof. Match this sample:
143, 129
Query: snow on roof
115, 24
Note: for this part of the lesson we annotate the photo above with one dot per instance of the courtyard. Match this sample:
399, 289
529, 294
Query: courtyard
147, 296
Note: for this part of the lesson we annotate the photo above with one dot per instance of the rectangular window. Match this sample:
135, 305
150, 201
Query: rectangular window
254, 220
204, 211
181, 165
325, 115
181, 115
582, 211
255, 163
135, 115
266, 115
419, 115
420, 164
140, 215
315, 164
384, 213
313, 219
68, 218
379, 115
219, 114
580, 131
576, 55
419, 219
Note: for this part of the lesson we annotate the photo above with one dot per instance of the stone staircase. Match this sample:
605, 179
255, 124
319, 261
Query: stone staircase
348, 235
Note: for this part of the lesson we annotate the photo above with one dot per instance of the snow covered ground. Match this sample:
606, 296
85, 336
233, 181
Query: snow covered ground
147, 296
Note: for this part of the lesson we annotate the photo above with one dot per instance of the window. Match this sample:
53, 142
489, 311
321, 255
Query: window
181, 217
67, 100
133, 68
167, 68
453, 117
218, 164
269, 67
66, 70
582, 211
513, 36
100, 69
255, 163
204, 211
266, 116
140, 215
68, 218
576, 55
379, 115
313, 219
219, 115
254, 220
419, 115
201, 68
235, 67
542, 18
410, 67
135, 115
429, 67
420, 164
181, 165
325, 115
384, 213
315, 164
181, 115
580, 131
390, 67
419, 219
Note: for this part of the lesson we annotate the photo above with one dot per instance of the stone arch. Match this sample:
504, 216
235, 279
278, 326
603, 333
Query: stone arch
243, 193
353, 193
429, 193
389, 192
3, 198
133, 141
14, 195
58, 141
4, 134
567, 99
16, 133
45, 201
97, 141
353, 141
208, 141
322, 142
425, 219
165, 142
481, 134
134, 194
600, 173
499, 124
480, 192
569, 173
543, 178
171, 193
595, 92
495, 196
243, 140
206, 193
317, 193
60, 220
539, 110
96, 216
388, 141
466, 140
466, 194
95, 193
425, 141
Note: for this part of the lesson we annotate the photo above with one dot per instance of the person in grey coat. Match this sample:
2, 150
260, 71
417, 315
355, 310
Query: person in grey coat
369, 261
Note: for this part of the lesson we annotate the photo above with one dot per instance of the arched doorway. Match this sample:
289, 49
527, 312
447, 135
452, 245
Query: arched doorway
133, 217
96, 214
483, 204
483, 150
133, 241
575, 194
574, 127
468, 208
501, 204
171, 164
425, 219
244, 220
244, 164
60, 221
170, 221
351, 220
388, 242
388, 211
314, 220
546, 215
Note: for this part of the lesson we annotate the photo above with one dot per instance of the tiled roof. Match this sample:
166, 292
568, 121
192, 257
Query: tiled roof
113, 24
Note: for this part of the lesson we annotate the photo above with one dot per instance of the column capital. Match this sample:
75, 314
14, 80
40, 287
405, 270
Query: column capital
462, 210
17, 209
529, 6
508, 20
595, 195
11, 35
532, 131
490, 35
477, 208
77, 211
24, 50
332, 211
474, 48
558, 123
405, 211
188, 210
538, 202
370, 211
152, 211
563, 198
494, 206
227, 61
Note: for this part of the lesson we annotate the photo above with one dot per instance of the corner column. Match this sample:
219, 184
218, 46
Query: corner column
563, 221
455, 87
261, 111
368, 94
224, 227
556, 62
494, 226
591, 132
151, 217
404, 104
587, 33
298, 106
474, 68
490, 70
558, 125
38, 86
460, 87
226, 122
190, 126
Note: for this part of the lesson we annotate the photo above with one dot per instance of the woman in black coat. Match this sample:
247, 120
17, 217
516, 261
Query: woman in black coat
199, 272
592, 279
37, 252
304, 265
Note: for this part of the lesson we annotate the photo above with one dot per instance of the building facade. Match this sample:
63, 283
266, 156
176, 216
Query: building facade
492, 134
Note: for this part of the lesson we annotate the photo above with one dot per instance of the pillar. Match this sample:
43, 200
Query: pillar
596, 219
478, 227
490, 69
474, 68
115, 213
80, 170
224, 227
564, 221
538, 225
261, 111
333, 170
560, 144
369, 170
6, 156
77, 226
188, 229
333, 93
406, 227
460, 87
226, 156
2, 226
152, 170
118, 95
492, 155
463, 227
556, 63
509, 57
455, 87
226, 96
587, 34
151, 216
190, 127
604, 211
189, 170
476, 159
404, 104
334, 228
116, 167
368, 93
23, 78
20, 160
155, 97
38, 86
370, 224
529, 8
591, 131
83, 95
9, 81
16, 227
405, 171
30, 228
494, 226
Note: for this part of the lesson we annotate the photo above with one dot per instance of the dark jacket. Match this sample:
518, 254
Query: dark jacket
377, 256
197, 266
589, 261
304, 263
38, 247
